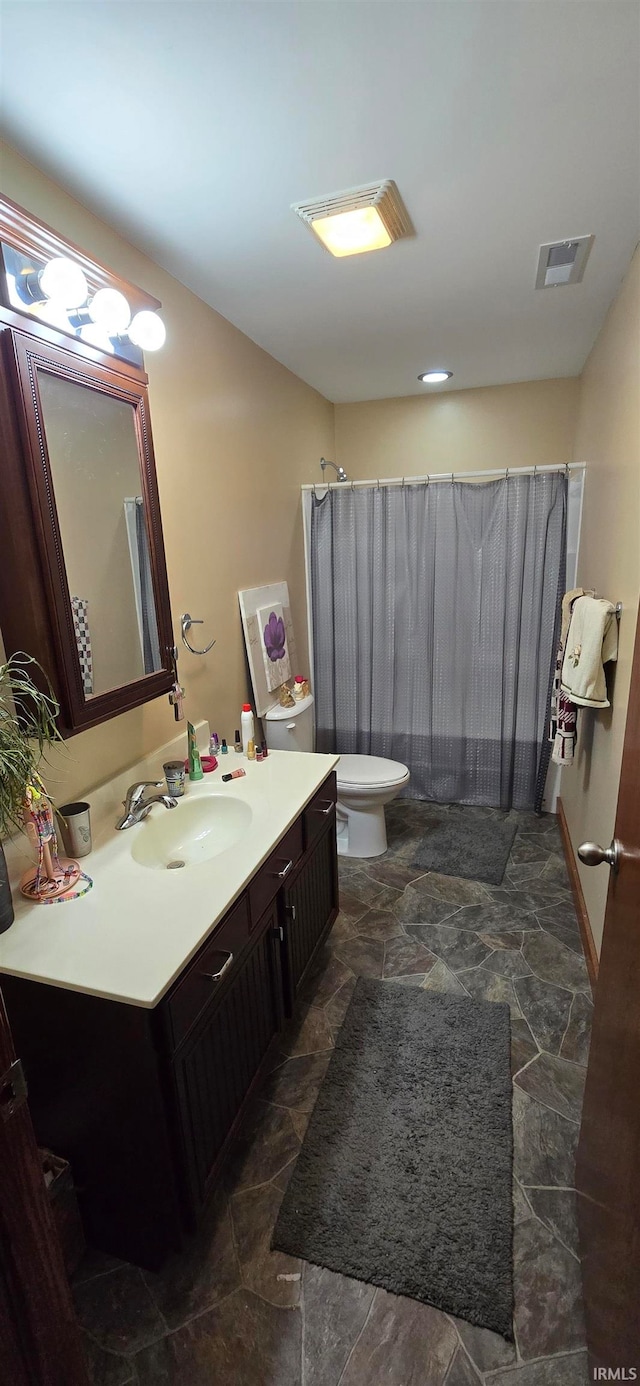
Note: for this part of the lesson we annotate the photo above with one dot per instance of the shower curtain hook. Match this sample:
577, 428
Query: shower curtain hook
506, 475
403, 483
352, 484
452, 476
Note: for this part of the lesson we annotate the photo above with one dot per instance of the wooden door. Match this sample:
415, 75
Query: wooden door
40, 1341
608, 1165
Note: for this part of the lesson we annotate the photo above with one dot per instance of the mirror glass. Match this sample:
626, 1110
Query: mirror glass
93, 454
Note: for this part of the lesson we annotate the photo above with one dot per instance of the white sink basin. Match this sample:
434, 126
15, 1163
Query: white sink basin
195, 831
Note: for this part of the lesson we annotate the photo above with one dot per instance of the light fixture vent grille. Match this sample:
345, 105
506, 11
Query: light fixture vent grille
384, 196
562, 262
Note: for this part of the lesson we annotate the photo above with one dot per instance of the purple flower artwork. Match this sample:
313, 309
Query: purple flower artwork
271, 631
274, 637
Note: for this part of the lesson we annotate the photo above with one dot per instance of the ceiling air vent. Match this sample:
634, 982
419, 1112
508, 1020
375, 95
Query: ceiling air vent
562, 262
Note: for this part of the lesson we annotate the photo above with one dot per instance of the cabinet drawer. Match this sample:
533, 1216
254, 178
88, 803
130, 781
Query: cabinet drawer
275, 870
199, 985
320, 810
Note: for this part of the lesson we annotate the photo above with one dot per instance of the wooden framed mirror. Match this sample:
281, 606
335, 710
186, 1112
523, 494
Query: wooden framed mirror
83, 583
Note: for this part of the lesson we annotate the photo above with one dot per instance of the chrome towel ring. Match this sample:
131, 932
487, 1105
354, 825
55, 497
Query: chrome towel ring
186, 622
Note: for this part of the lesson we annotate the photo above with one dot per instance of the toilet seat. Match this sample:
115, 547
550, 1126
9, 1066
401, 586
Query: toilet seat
370, 772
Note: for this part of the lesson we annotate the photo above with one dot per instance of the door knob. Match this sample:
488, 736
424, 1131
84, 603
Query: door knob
592, 854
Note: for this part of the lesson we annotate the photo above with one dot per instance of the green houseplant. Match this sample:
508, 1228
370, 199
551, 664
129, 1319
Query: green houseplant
24, 737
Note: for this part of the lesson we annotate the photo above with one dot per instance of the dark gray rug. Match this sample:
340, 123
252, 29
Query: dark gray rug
405, 1173
462, 842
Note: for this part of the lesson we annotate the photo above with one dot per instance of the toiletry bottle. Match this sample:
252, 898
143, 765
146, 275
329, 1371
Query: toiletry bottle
237, 743
195, 767
246, 722
214, 744
251, 751
259, 752
224, 749
234, 775
265, 750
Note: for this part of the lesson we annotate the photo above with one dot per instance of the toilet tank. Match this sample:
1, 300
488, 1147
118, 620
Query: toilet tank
290, 728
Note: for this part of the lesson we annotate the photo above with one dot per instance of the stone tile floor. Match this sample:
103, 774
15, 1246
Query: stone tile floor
229, 1311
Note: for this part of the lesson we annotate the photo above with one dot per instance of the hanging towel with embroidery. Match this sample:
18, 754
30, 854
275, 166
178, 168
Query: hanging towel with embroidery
592, 641
563, 722
80, 607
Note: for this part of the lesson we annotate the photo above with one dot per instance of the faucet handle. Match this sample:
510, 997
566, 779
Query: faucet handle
136, 791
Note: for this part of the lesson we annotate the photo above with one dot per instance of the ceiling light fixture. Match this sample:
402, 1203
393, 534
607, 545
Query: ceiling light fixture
361, 219
435, 377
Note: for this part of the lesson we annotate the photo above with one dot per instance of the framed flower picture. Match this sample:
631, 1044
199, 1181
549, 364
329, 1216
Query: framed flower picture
269, 639
275, 653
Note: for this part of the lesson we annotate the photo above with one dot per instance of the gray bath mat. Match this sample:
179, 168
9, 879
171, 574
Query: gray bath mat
405, 1173
466, 844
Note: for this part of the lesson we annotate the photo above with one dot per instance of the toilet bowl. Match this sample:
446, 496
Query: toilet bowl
365, 783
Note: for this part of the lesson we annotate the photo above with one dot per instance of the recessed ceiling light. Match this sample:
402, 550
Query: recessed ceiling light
435, 377
361, 219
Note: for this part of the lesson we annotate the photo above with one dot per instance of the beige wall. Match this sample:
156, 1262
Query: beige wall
235, 435
608, 438
497, 426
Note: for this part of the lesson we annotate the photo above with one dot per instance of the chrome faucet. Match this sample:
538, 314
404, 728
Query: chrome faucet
136, 807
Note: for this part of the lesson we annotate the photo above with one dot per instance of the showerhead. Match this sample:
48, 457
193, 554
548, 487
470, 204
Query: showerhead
341, 475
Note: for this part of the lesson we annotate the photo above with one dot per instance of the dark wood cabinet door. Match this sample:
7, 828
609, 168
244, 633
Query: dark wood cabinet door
216, 1068
309, 907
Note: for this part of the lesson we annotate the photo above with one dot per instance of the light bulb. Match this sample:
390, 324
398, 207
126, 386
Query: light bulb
109, 308
96, 336
147, 331
65, 281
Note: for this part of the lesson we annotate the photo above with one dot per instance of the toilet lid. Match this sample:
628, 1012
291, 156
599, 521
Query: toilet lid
370, 770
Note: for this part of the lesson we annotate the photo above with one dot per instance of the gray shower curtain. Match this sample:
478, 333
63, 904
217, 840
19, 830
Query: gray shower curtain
435, 622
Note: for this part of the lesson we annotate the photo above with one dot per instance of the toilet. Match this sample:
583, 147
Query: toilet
365, 783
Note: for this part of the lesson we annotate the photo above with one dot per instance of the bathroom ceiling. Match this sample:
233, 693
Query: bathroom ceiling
192, 127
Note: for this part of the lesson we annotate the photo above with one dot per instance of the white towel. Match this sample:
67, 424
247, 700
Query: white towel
592, 641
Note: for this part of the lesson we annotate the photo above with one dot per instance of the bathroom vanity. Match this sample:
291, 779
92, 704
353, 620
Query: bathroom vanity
143, 1086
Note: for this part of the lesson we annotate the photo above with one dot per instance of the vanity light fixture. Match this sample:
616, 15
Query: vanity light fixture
64, 282
147, 331
361, 219
60, 282
46, 278
109, 310
435, 377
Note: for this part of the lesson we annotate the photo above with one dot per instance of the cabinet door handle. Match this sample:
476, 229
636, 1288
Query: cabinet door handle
326, 810
215, 976
280, 875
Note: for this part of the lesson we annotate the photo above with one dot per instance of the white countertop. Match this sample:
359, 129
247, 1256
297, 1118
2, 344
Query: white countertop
132, 934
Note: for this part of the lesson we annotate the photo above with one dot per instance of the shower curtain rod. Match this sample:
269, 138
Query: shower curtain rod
442, 476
